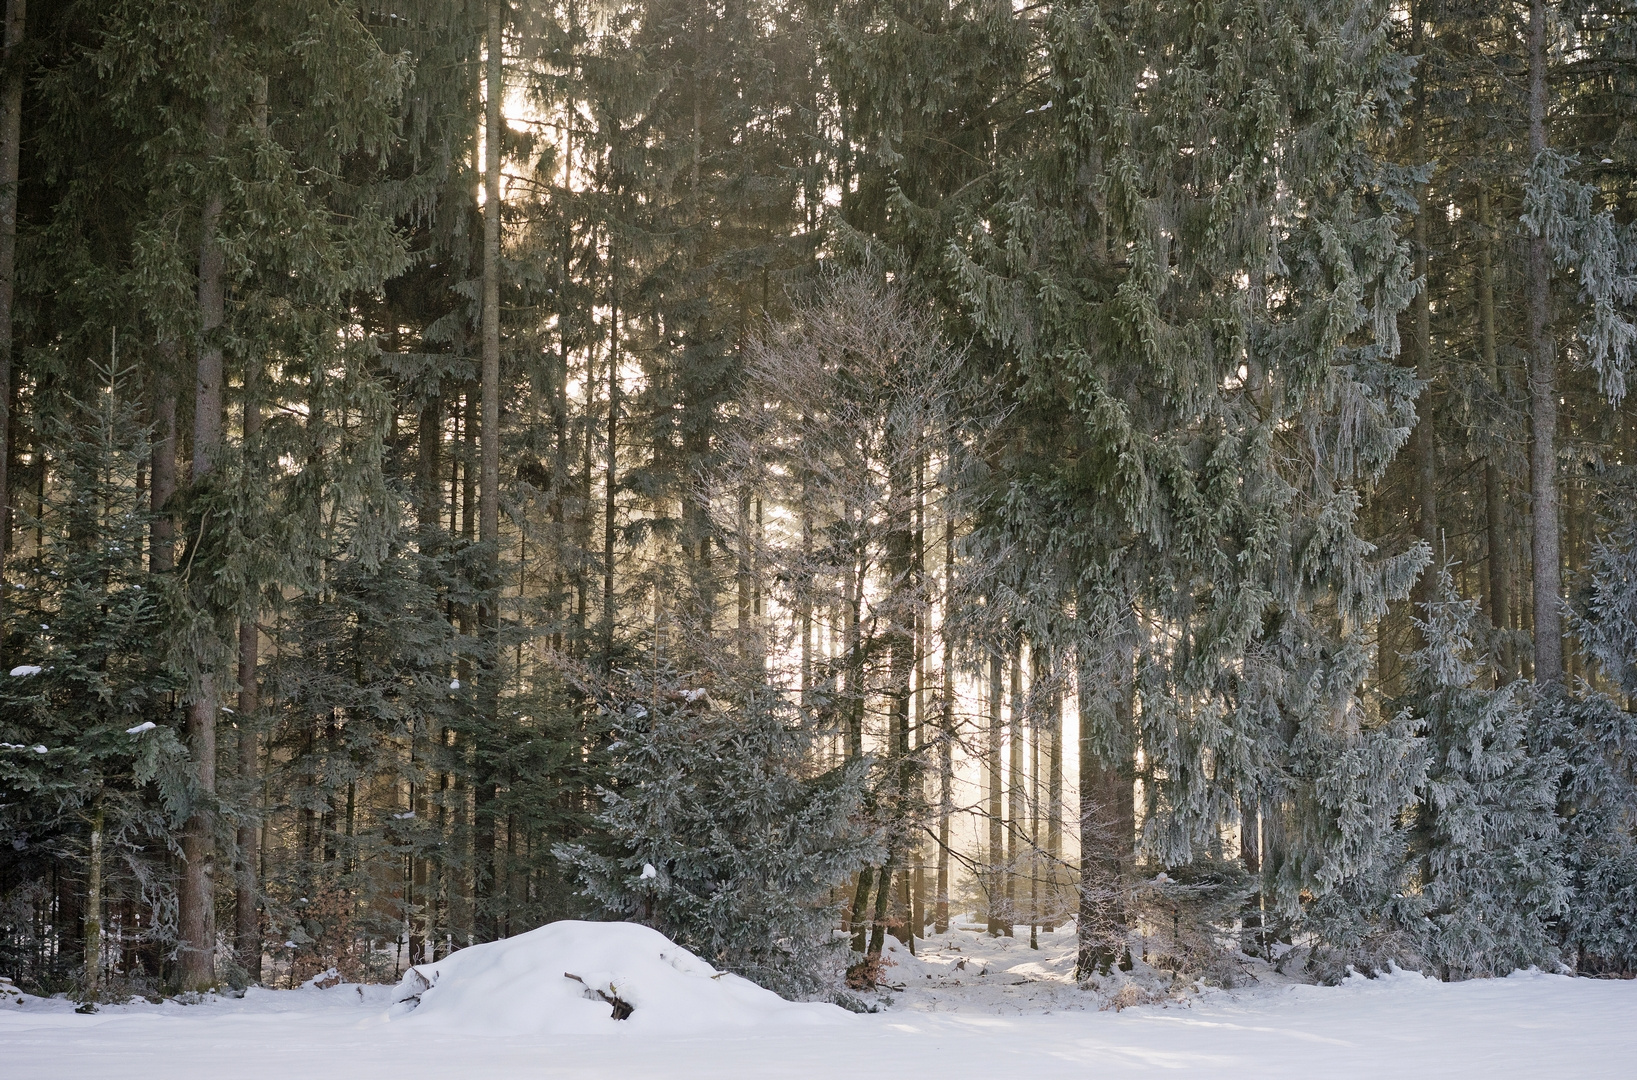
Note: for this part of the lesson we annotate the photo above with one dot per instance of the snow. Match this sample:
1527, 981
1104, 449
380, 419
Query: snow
1024, 1018
23, 671
148, 725
562, 978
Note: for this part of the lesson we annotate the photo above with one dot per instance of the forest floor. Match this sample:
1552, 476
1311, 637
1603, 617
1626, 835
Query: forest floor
1010, 1011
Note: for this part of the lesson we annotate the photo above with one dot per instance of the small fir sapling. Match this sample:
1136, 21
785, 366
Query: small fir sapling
1486, 831
723, 835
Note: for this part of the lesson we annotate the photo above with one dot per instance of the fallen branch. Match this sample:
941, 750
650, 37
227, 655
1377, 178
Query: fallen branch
622, 1008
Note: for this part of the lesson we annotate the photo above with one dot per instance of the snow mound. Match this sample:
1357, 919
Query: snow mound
569, 978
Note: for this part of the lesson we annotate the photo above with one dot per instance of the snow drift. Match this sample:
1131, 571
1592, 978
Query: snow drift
583, 978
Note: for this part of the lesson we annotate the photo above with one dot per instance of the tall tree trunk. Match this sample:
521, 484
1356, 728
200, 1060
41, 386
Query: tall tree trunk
1500, 585
993, 898
804, 602
429, 436
93, 904
1054, 776
11, 126
489, 423
1034, 863
1048, 730
1107, 819
900, 550
1548, 580
743, 584
610, 481
1016, 787
946, 737
162, 467
196, 901
1250, 851
1426, 445
486, 883
246, 922
918, 621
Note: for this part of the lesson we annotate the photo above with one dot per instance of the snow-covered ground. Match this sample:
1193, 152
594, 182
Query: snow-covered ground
1009, 1012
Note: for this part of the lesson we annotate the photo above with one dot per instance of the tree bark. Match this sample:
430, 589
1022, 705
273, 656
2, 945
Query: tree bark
946, 739
11, 126
196, 901
486, 878
1017, 787
1426, 445
93, 905
162, 467
610, 480
246, 921
1250, 851
1107, 820
489, 422
992, 897
1500, 585
1545, 543
1054, 781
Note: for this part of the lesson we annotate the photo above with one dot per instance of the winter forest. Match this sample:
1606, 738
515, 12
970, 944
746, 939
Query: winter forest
804, 475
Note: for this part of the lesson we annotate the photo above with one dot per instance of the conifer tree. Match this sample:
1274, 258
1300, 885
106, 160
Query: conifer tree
720, 834
1487, 833
1596, 734
94, 760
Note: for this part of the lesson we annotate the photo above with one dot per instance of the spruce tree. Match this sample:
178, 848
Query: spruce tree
93, 759
1596, 733
1486, 834
721, 834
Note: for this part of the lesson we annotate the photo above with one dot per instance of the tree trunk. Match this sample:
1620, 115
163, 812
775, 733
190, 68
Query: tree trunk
1250, 851
1054, 783
1016, 811
1035, 727
883, 896
1500, 585
487, 885
858, 921
1426, 445
11, 126
946, 739
93, 905
196, 901
992, 893
1107, 821
1548, 581
610, 481
489, 423
162, 532
246, 922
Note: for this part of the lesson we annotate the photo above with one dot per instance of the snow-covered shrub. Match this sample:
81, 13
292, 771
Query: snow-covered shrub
722, 834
